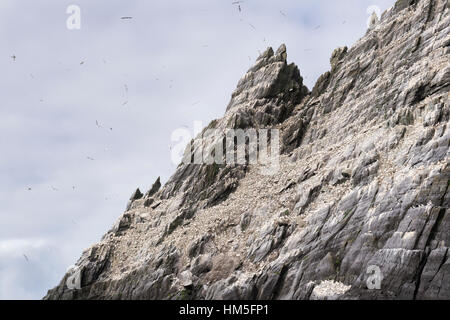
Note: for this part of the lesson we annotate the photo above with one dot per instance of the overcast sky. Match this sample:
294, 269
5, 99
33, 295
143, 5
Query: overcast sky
86, 115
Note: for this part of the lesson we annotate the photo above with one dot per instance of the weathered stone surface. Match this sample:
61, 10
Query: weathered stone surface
135, 196
202, 264
363, 182
403, 4
154, 189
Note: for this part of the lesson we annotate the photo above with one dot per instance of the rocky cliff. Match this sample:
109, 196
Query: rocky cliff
361, 191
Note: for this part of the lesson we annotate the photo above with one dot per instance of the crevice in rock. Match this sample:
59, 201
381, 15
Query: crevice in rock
344, 223
436, 225
419, 272
444, 259
280, 282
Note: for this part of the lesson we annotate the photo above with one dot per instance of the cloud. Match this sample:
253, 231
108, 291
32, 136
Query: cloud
14, 247
27, 266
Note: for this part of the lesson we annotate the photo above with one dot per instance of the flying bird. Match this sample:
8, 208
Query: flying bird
89, 158
25, 256
13, 57
126, 18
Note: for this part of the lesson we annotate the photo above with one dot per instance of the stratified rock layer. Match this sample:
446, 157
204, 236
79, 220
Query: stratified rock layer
363, 182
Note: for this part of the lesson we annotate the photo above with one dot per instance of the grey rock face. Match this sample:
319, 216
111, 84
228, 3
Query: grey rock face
154, 189
403, 4
135, 196
361, 196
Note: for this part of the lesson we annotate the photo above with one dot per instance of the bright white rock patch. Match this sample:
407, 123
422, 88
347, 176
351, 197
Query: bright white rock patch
329, 290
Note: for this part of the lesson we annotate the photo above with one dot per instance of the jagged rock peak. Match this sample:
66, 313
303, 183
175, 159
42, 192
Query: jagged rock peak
270, 77
337, 56
281, 52
136, 195
155, 188
269, 56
